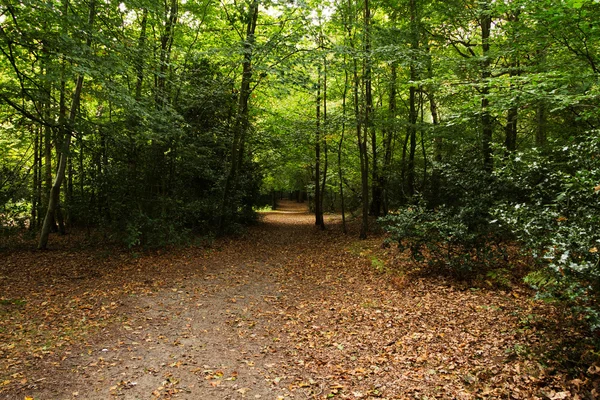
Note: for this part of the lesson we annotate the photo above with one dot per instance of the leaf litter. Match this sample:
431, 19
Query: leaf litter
285, 311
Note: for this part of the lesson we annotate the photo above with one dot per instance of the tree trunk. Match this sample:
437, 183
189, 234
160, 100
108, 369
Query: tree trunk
510, 130
48, 175
35, 195
486, 119
318, 202
340, 146
64, 154
362, 133
412, 114
166, 42
388, 136
361, 139
324, 136
69, 193
412, 137
424, 151
242, 117
541, 126
437, 141
375, 208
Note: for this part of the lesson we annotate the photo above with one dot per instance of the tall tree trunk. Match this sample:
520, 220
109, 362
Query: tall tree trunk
510, 130
486, 119
435, 120
361, 136
318, 202
62, 162
423, 149
69, 193
375, 207
340, 146
35, 195
248, 73
62, 117
412, 113
242, 122
166, 43
433, 109
512, 114
325, 132
541, 116
362, 133
163, 98
412, 138
48, 175
403, 163
388, 136
324, 136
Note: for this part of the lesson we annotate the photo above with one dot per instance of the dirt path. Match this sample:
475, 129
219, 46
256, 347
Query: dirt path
287, 311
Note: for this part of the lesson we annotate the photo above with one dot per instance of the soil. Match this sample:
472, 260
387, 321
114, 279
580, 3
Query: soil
286, 311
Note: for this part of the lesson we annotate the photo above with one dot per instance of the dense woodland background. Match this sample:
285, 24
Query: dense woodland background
470, 128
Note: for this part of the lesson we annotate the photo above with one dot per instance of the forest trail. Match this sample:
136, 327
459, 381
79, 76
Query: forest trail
284, 312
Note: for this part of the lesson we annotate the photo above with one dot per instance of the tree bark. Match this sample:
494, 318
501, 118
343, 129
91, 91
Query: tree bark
242, 117
541, 126
48, 175
388, 136
486, 119
35, 195
512, 114
362, 133
412, 115
340, 146
375, 208
510, 130
166, 42
438, 142
325, 131
412, 137
318, 203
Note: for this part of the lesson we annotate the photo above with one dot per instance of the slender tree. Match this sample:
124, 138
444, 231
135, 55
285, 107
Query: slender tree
64, 154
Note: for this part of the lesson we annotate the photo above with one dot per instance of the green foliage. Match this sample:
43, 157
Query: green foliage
14, 174
446, 241
557, 219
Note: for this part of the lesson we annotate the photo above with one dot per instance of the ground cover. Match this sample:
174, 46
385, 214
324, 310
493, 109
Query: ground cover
283, 311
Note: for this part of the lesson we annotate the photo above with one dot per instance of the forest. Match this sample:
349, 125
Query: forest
462, 134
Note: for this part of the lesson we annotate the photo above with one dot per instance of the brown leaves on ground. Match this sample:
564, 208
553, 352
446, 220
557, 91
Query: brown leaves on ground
286, 311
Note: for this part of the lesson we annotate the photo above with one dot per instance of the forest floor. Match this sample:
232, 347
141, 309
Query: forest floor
285, 311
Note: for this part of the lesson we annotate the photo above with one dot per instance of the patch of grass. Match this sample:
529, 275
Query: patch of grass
369, 304
378, 264
13, 302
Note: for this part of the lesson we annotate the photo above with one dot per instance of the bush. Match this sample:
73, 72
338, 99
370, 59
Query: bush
443, 240
557, 220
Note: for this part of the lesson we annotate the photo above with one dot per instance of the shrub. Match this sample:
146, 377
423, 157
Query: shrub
557, 220
443, 240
